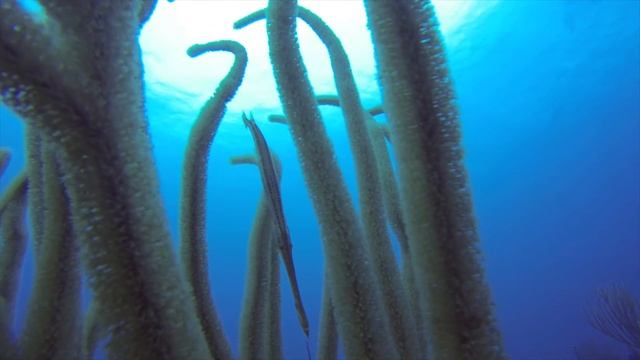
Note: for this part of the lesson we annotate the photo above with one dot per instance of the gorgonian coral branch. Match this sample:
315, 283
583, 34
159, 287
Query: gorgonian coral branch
192, 212
256, 320
5, 156
83, 92
418, 100
93, 331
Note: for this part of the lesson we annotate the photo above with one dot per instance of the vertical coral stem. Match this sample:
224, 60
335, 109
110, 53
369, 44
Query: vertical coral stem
193, 246
355, 297
418, 100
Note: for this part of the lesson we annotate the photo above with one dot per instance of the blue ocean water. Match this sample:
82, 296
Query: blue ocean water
549, 96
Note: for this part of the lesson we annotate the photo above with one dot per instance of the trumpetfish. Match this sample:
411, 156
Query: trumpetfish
272, 191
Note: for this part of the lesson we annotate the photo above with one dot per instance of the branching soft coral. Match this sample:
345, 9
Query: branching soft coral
12, 246
260, 318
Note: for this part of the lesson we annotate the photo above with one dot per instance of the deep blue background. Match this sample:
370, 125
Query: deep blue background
549, 93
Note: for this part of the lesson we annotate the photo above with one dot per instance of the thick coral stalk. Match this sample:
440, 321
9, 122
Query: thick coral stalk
328, 333
5, 155
355, 296
283, 239
418, 99
93, 331
378, 132
52, 328
193, 246
254, 322
389, 186
392, 206
402, 323
12, 246
83, 92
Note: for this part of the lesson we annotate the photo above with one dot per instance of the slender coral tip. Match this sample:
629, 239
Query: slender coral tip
245, 119
249, 19
331, 100
194, 50
5, 156
221, 45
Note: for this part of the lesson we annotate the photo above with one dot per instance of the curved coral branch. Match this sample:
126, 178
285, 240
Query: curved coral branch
328, 333
389, 186
83, 92
278, 119
353, 288
418, 100
376, 110
146, 9
255, 320
5, 156
13, 239
272, 191
39, 88
273, 336
194, 177
403, 322
52, 327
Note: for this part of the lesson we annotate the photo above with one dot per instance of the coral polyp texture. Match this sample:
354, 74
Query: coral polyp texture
74, 77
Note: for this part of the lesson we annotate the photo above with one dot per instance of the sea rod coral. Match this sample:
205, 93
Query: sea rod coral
76, 79
259, 333
74, 76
